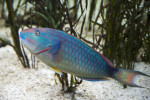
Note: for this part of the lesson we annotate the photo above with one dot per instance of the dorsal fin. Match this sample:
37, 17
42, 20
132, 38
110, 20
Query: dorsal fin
107, 60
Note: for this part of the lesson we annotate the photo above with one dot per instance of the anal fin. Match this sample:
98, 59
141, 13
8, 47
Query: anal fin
56, 70
95, 79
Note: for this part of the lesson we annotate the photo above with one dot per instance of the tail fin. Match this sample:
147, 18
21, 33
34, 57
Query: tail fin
127, 76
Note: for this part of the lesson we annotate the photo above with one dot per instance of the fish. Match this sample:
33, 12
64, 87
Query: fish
63, 52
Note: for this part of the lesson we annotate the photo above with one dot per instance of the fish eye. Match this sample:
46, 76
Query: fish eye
37, 33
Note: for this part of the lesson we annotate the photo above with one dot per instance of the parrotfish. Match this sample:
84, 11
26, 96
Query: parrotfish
63, 52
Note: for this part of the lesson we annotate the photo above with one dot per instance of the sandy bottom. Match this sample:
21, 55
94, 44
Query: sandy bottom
17, 83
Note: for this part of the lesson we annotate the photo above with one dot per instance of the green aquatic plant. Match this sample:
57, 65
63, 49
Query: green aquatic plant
124, 30
14, 27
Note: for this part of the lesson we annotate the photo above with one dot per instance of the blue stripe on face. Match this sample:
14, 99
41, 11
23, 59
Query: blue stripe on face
22, 37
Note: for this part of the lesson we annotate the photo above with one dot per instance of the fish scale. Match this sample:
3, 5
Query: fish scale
66, 53
82, 59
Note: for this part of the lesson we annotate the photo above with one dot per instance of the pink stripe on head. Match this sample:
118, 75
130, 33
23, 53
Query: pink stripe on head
32, 41
28, 30
42, 51
34, 29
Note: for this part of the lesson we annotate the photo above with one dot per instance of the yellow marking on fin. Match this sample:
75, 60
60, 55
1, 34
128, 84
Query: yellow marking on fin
56, 70
49, 44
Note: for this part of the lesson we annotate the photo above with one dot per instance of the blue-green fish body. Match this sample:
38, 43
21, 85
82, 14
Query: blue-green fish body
65, 53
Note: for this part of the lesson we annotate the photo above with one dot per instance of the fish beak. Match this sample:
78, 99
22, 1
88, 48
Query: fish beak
21, 36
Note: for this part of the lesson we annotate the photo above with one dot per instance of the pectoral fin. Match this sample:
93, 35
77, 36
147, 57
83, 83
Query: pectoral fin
56, 70
55, 51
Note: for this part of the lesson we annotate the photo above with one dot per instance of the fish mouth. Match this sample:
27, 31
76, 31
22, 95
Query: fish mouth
21, 36
42, 51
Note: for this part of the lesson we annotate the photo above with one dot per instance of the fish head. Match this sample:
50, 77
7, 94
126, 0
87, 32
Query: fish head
36, 40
